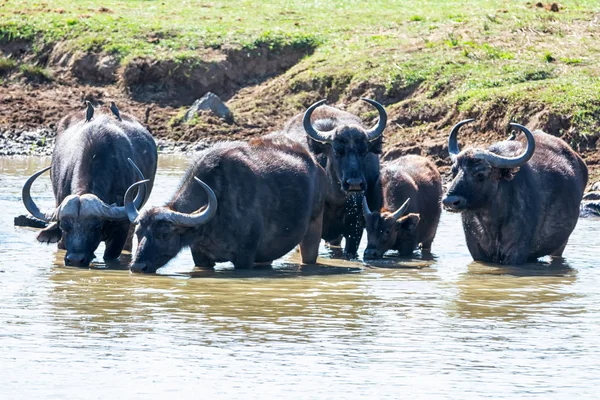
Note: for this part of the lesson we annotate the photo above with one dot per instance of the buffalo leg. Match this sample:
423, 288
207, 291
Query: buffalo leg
559, 252
115, 243
475, 249
309, 246
243, 262
129, 242
352, 242
201, 260
426, 246
336, 242
246, 254
353, 231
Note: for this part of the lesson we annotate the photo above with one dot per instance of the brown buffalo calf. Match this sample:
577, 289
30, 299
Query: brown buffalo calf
412, 191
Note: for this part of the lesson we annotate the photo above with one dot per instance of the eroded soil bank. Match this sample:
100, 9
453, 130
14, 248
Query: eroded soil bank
263, 88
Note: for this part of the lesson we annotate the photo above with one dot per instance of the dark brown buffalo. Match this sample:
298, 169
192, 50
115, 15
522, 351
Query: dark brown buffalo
412, 194
241, 202
519, 199
95, 160
349, 152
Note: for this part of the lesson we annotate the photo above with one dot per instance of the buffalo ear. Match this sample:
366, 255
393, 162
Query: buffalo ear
409, 222
507, 174
316, 147
50, 234
376, 146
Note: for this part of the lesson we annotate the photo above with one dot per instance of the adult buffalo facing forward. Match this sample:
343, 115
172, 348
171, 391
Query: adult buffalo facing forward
349, 152
412, 192
95, 160
246, 203
519, 199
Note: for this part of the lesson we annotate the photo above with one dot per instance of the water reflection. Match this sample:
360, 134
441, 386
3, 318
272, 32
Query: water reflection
511, 292
87, 302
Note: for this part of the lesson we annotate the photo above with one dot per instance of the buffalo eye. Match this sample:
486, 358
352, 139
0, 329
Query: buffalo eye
480, 176
65, 226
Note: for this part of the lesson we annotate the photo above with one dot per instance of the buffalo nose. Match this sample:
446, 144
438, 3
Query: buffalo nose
139, 267
454, 202
371, 254
75, 259
355, 184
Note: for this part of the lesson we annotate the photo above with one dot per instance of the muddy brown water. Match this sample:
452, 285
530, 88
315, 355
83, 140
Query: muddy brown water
444, 327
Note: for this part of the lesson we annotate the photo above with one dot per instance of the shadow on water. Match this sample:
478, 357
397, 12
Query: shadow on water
281, 270
121, 264
418, 260
226, 270
557, 267
515, 292
210, 310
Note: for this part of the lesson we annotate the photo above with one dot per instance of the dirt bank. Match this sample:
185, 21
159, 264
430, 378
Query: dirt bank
259, 88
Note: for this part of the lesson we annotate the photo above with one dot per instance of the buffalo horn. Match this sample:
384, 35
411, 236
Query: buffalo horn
453, 148
498, 161
196, 218
365, 206
399, 213
28, 201
321, 137
377, 130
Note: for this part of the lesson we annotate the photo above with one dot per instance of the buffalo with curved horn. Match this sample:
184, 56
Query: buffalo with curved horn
412, 192
349, 153
93, 163
245, 203
519, 199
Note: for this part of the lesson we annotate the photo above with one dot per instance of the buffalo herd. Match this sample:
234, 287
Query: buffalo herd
319, 177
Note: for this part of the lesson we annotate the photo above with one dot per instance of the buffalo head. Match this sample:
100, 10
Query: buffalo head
79, 221
386, 229
478, 172
162, 232
348, 146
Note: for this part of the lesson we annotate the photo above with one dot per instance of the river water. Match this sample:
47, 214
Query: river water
444, 328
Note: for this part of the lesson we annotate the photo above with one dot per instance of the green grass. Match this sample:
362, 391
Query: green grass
35, 73
6, 65
452, 51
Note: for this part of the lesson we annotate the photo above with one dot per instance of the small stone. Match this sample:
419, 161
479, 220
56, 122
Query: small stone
210, 102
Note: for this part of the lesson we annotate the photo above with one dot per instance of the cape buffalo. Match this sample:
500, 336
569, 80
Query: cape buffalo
519, 199
241, 202
95, 160
412, 194
349, 152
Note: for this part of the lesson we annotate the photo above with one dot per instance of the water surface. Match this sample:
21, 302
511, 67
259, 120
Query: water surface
443, 328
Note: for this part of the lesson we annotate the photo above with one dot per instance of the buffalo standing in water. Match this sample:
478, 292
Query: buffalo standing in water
412, 192
519, 200
241, 202
349, 152
95, 160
